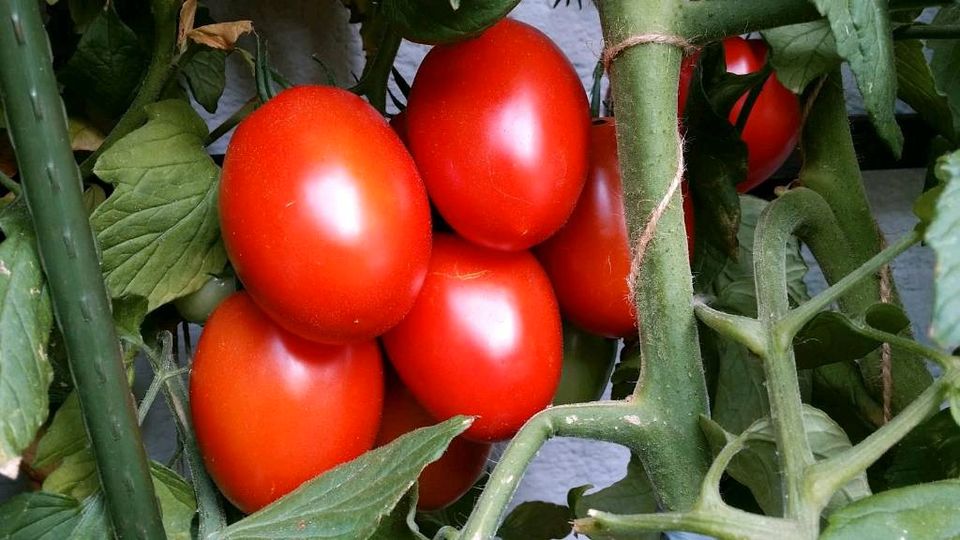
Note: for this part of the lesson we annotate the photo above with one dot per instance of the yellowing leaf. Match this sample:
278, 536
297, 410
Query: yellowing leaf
187, 13
83, 136
221, 35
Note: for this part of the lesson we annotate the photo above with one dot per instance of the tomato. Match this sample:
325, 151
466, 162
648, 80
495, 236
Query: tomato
324, 216
773, 126
197, 306
588, 260
483, 338
588, 361
272, 410
447, 479
498, 125
399, 124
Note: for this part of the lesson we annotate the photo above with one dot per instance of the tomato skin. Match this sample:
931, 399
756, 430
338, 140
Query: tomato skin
773, 127
324, 215
272, 410
498, 125
447, 479
483, 338
588, 260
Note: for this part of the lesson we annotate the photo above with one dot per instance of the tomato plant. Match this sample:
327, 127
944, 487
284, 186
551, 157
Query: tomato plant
197, 306
331, 244
272, 410
588, 260
482, 339
773, 124
447, 479
498, 126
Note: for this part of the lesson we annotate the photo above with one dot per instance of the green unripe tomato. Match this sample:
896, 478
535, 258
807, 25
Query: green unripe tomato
198, 305
588, 361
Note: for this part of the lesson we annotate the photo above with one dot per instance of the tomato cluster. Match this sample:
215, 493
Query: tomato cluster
325, 215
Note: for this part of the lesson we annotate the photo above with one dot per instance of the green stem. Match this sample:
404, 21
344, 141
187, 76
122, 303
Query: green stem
830, 168
37, 126
801, 315
233, 121
716, 521
945, 360
613, 421
828, 476
644, 80
8, 183
744, 330
376, 73
928, 31
159, 379
595, 98
158, 72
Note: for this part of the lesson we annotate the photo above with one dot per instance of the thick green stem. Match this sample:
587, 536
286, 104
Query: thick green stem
51, 184
644, 80
613, 421
720, 522
158, 73
831, 169
828, 476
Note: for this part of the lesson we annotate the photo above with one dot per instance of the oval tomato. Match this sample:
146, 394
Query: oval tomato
588, 361
447, 479
498, 126
588, 260
272, 410
483, 338
324, 216
773, 126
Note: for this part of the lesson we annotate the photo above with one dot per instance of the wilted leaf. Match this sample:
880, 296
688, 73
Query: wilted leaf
83, 136
188, 11
220, 35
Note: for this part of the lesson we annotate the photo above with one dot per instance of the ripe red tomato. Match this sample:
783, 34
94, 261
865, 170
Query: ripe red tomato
324, 216
498, 126
447, 479
773, 125
272, 410
483, 338
588, 260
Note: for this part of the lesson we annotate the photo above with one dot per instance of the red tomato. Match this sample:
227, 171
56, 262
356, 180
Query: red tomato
447, 479
324, 216
588, 260
498, 126
272, 410
483, 338
773, 126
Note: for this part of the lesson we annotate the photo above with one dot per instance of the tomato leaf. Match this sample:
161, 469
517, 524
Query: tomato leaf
47, 516
159, 230
757, 465
740, 397
832, 337
861, 29
26, 318
916, 87
929, 453
437, 21
923, 511
801, 53
108, 64
400, 524
350, 501
632, 494
942, 236
945, 61
177, 503
206, 75
536, 520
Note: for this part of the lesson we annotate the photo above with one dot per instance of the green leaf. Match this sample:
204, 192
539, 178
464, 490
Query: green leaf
93, 196
536, 520
916, 87
177, 503
159, 230
632, 494
832, 337
942, 235
206, 75
757, 465
945, 61
26, 318
740, 398
107, 65
437, 21
349, 501
588, 362
862, 32
400, 524
84, 12
929, 453
800, 53
47, 516
626, 373
923, 511
128, 314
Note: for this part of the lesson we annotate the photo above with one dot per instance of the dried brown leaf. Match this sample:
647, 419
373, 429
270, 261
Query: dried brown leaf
221, 35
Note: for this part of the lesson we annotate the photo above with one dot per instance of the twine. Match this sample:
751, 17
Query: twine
886, 357
610, 53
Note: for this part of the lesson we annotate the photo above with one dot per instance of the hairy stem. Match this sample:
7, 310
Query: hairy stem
156, 77
717, 521
51, 185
